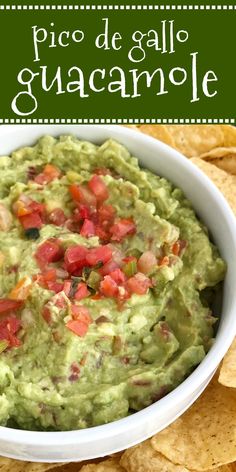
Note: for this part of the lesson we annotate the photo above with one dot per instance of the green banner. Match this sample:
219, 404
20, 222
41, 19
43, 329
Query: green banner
113, 63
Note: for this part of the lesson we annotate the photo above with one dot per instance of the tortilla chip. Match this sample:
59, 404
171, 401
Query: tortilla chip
224, 181
193, 140
222, 157
205, 436
159, 132
143, 458
10, 465
110, 465
227, 375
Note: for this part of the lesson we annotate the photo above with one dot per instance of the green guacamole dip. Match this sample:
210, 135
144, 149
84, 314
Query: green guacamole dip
144, 326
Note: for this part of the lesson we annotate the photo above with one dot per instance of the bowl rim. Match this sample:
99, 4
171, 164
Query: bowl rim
207, 366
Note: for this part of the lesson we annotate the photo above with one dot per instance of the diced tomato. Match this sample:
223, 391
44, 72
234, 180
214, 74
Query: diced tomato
21, 290
59, 300
49, 275
77, 327
164, 261
82, 291
8, 328
122, 228
32, 220
25, 205
178, 247
81, 313
55, 286
102, 233
49, 251
7, 305
75, 258
108, 287
83, 212
52, 171
36, 207
49, 173
47, 315
98, 254
88, 229
147, 262
106, 214
81, 320
108, 267
67, 287
118, 276
82, 194
139, 284
99, 188
57, 217
102, 171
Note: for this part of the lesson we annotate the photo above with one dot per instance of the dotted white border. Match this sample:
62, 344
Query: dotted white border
118, 121
117, 7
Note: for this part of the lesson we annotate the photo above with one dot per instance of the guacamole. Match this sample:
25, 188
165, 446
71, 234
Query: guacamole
106, 285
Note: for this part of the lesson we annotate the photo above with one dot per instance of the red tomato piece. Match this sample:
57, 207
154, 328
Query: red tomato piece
108, 267
49, 173
164, 261
36, 207
82, 291
106, 215
32, 220
55, 286
75, 258
67, 287
52, 171
7, 305
122, 228
82, 194
178, 247
118, 276
8, 328
49, 275
108, 287
81, 313
57, 217
102, 233
77, 327
88, 229
99, 188
84, 212
147, 262
98, 254
49, 251
139, 284
46, 313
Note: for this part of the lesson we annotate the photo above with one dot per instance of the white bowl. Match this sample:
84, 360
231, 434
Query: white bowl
217, 215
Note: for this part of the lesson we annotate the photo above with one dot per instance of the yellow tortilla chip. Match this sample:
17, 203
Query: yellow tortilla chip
193, 140
224, 181
205, 436
222, 157
227, 375
110, 465
143, 458
10, 465
159, 132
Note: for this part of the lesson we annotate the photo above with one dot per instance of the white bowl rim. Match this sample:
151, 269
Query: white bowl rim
209, 363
